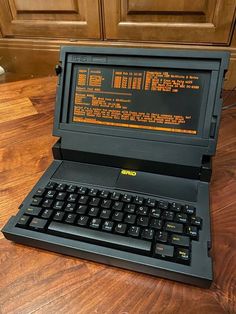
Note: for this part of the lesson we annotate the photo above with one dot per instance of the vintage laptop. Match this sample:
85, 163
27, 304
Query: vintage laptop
129, 184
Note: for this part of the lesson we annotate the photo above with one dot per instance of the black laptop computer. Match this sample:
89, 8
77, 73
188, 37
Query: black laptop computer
129, 184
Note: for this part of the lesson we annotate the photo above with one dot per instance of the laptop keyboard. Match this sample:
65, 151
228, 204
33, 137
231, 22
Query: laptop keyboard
128, 222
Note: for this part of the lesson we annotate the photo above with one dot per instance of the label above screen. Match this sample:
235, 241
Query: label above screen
139, 98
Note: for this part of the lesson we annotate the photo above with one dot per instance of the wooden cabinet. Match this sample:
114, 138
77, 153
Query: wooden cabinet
182, 21
71, 19
32, 31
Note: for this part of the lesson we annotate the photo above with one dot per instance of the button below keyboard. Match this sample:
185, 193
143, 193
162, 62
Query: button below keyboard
101, 238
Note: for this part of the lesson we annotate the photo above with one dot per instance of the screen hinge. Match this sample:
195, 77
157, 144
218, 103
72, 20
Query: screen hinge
213, 126
56, 150
58, 70
206, 169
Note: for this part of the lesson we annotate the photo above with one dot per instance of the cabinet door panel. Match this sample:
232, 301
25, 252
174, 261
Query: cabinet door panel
198, 21
73, 19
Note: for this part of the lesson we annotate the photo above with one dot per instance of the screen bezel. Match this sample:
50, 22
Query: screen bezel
215, 62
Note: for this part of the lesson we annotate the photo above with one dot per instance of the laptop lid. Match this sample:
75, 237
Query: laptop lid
154, 105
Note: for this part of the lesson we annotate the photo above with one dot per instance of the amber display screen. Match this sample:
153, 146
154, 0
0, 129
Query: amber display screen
139, 98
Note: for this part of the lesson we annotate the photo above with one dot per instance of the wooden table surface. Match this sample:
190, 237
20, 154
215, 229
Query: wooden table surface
37, 281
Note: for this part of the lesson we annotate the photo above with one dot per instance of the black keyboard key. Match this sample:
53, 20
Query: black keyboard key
192, 231
72, 197
142, 210
163, 250
101, 238
95, 223
148, 234
196, 221
120, 228
117, 205
104, 194
71, 188
176, 207
105, 214
138, 200
82, 190
83, 220
183, 254
81, 209
50, 194
93, 211
134, 231
155, 213
23, 221
156, 224
40, 192
163, 204
51, 185
70, 207
161, 236
150, 202
47, 203
168, 215
189, 209
108, 226
83, 200
117, 216
127, 198
58, 205
33, 211
129, 208
183, 218
115, 196
180, 217
47, 213
142, 221
58, 216
36, 201
38, 223
70, 218
180, 240
61, 196
94, 201
173, 227
61, 187
130, 219
92, 192
106, 204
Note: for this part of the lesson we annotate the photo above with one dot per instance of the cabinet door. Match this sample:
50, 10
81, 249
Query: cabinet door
198, 21
71, 19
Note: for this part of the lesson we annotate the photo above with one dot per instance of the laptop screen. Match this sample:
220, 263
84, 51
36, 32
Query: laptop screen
154, 99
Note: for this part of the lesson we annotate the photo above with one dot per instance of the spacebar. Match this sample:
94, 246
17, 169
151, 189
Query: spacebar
100, 238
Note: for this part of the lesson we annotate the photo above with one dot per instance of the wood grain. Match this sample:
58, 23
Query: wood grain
170, 21
77, 19
37, 281
21, 107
